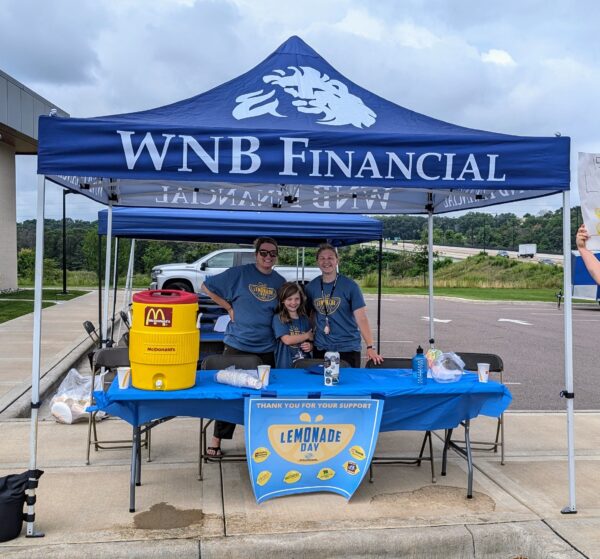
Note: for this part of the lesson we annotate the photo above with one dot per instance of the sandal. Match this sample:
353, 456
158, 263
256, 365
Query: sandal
214, 452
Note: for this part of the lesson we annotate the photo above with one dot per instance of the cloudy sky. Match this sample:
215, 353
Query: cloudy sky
529, 68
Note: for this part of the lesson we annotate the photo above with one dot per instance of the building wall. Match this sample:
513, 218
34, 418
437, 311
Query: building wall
8, 218
20, 108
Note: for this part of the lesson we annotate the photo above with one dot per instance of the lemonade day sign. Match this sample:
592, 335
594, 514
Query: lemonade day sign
307, 445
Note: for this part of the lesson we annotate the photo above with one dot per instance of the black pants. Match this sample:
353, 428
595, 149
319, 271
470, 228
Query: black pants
350, 357
224, 429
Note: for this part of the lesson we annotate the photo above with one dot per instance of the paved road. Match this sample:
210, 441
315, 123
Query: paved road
528, 337
460, 253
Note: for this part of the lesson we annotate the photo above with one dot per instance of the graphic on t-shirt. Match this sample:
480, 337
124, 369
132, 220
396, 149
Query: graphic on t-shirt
263, 292
294, 330
328, 304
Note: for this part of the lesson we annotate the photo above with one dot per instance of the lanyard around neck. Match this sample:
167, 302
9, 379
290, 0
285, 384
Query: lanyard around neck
330, 295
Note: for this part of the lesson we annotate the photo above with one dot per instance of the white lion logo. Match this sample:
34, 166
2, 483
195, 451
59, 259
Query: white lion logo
314, 93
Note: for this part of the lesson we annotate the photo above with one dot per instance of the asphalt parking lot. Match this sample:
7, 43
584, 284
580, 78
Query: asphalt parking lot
527, 336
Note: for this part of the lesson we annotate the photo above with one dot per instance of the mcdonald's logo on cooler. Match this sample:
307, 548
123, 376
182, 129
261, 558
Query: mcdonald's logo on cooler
161, 317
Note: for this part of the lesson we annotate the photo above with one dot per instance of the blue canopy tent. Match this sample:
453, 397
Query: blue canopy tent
296, 230
295, 135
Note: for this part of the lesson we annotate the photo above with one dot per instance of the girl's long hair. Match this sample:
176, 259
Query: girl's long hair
288, 289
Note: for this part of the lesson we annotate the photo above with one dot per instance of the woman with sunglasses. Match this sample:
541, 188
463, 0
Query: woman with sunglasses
339, 312
249, 295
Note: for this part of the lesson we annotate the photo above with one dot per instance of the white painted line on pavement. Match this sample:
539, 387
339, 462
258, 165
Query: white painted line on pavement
515, 321
436, 319
511, 383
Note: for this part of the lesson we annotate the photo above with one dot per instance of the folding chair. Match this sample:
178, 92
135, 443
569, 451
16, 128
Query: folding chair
218, 362
310, 362
402, 363
496, 366
108, 358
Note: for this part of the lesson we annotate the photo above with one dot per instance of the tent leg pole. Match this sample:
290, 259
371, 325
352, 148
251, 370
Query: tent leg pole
128, 284
379, 297
430, 272
36, 353
99, 263
568, 393
115, 279
107, 277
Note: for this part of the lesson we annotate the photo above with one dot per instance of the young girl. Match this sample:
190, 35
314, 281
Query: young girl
291, 326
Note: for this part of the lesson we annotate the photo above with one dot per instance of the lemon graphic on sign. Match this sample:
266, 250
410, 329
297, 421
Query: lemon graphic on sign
325, 474
597, 212
261, 454
310, 441
357, 452
351, 468
263, 477
292, 476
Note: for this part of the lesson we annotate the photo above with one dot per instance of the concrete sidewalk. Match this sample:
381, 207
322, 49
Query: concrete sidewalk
515, 511
83, 509
64, 342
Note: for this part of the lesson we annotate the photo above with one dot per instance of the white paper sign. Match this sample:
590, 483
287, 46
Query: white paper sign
589, 194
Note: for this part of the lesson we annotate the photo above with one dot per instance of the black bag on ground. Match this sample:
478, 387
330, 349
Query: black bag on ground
12, 499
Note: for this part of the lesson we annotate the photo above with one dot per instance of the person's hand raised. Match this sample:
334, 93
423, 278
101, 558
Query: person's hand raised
582, 237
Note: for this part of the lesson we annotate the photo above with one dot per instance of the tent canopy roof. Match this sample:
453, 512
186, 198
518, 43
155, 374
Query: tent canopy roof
293, 65
240, 227
295, 134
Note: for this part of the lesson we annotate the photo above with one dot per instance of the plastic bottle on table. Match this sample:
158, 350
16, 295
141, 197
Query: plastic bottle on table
419, 367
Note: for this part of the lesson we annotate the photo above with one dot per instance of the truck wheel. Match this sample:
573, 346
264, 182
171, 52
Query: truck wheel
180, 286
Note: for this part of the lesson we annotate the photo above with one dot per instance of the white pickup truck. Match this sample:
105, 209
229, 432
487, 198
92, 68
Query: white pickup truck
189, 277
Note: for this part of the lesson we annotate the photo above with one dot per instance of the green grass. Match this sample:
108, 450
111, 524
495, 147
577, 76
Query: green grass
493, 276
47, 294
82, 278
11, 308
14, 309
481, 294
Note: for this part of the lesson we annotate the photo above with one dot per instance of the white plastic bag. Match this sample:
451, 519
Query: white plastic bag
239, 377
448, 367
73, 397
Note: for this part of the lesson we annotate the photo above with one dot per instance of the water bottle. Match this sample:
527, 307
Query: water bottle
419, 367
331, 369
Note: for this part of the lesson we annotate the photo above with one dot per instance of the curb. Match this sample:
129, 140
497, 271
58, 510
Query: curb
531, 539
17, 403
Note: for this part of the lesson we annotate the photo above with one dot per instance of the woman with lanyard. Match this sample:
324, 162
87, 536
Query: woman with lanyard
339, 312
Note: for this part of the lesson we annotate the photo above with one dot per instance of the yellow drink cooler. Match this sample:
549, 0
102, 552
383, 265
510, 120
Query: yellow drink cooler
164, 341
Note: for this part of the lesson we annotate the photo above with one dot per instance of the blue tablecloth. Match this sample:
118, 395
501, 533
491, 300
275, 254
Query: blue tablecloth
408, 406
210, 336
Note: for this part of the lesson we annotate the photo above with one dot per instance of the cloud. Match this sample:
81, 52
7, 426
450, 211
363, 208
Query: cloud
499, 57
360, 23
491, 66
51, 42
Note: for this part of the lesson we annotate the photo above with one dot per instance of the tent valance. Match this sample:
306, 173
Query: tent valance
240, 227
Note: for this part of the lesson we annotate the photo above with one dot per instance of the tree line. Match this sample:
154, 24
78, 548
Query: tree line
474, 229
487, 231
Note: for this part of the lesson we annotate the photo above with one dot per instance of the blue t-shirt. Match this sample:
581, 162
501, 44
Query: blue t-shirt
344, 334
253, 296
285, 355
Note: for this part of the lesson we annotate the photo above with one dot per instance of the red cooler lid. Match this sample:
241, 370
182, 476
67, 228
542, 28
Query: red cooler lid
166, 297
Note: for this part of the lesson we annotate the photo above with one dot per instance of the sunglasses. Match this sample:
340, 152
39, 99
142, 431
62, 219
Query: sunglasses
265, 253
